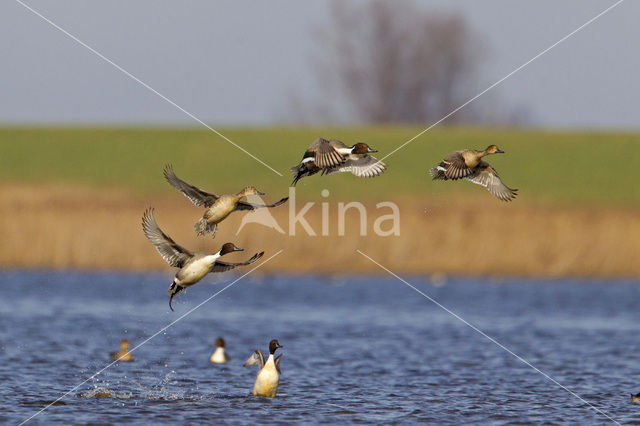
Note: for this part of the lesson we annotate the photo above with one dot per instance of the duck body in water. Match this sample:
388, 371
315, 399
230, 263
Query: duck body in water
219, 356
123, 354
268, 377
193, 266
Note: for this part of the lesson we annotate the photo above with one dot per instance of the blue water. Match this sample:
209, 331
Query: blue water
356, 349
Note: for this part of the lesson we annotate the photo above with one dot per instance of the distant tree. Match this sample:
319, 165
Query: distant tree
392, 61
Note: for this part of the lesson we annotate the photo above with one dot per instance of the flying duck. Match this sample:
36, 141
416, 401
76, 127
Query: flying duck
123, 354
268, 377
193, 266
218, 207
219, 356
468, 164
333, 156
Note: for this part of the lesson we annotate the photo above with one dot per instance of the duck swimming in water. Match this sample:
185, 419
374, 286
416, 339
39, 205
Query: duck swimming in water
123, 354
333, 156
636, 397
193, 266
219, 356
268, 377
217, 207
468, 164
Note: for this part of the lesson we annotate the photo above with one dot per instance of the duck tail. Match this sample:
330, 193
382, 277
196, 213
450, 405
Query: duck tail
299, 172
202, 227
173, 290
437, 174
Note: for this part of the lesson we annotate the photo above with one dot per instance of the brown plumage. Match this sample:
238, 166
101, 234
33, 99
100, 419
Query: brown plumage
217, 207
468, 164
123, 354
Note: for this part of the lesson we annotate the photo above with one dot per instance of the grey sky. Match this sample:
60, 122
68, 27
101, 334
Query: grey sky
235, 62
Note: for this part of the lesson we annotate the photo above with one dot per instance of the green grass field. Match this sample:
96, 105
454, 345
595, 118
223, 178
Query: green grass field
565, 167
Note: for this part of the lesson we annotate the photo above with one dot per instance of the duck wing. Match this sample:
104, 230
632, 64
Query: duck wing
485, 175
221, 266
277, 363
256, 358
360, 165
325, 153
453, 167
197, 196
174, 254
245, 205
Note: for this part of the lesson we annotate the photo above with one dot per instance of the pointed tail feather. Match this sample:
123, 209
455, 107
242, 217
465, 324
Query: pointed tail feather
173, 290
437, 174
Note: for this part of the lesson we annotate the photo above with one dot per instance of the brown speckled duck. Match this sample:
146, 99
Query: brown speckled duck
468, 164
218, 207
123, 354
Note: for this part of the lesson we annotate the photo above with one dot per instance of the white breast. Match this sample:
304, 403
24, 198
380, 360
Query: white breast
218, 356
267, 380
195, 271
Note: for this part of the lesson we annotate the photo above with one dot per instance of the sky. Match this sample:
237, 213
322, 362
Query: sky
237, 62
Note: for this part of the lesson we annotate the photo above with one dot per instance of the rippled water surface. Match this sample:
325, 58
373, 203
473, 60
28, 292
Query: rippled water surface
356, 349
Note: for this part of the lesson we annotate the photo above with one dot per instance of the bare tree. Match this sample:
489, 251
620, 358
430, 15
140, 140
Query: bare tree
392, 61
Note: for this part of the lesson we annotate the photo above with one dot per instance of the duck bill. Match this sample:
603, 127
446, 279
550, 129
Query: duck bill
499, 151
371, 150
238, 249
260, 193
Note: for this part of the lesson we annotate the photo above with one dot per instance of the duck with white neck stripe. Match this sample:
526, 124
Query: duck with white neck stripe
266, 384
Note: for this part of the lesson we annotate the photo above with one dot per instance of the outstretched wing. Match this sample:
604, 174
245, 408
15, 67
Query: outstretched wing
220, 266
360, 165
325, 153
256, 358
485, 175
245, 205
197, 196
277, 362
454, 167
172, 253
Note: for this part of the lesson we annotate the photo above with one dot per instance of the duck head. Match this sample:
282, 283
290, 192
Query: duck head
493, 149
251, 190
124, 344
273, 345
219, 342
362, 148
229, 248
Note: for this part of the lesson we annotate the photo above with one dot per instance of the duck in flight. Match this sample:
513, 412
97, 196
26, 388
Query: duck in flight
123, 354
468, 164
193, 266
268, 377
218, 207
219, 356
333, 156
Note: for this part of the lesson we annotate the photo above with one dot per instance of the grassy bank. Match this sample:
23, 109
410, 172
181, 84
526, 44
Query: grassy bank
565, 168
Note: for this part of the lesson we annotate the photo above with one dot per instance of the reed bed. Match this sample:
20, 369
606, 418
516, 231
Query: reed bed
62, 227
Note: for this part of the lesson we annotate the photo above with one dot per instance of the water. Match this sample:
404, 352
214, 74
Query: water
356, 349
